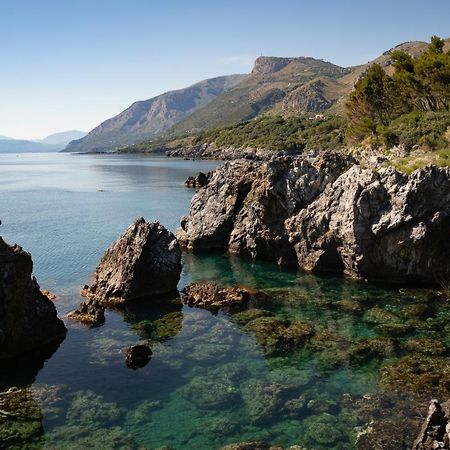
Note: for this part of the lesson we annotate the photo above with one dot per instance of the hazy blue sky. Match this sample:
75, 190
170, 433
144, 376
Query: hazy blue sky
70, 64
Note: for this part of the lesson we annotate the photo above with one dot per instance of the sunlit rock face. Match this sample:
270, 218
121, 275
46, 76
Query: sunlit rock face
144, 263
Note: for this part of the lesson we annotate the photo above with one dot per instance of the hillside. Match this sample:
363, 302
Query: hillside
150, 118
291, 84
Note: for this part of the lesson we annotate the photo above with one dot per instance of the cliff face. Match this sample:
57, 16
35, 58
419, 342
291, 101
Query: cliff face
148, 119
326, 214
28, 318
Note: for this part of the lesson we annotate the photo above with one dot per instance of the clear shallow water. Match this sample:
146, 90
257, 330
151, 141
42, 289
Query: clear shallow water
214, 379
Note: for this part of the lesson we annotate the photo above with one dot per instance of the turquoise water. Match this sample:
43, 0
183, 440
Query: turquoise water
214, 379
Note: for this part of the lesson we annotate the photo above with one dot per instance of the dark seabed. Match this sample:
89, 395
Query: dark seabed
311, 364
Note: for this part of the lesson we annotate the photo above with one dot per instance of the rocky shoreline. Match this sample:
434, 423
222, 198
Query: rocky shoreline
327, 213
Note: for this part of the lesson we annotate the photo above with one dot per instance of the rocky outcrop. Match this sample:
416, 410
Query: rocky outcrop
378, 225
90, 312
327, 214
144, 263
198, 181
211, 296
435, 431
28, 319
245, 204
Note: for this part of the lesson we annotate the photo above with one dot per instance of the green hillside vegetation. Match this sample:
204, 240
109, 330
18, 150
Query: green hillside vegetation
409, 107
279, 133
271, 81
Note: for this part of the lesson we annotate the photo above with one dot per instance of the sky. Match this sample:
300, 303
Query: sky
70, 64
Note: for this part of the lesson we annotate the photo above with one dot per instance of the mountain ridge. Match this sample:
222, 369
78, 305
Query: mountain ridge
276, 85
146, 119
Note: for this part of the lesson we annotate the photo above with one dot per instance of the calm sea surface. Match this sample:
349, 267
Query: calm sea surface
213, 379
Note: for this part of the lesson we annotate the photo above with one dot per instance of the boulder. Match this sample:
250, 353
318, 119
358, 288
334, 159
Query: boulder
28, 319
144, 263
138, 356
435, 431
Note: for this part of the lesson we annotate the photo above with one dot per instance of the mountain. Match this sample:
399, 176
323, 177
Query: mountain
63, 138
22, 146
52, 143
274, 83
148, 119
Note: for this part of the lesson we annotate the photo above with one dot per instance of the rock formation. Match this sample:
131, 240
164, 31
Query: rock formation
435, 431
90, 312
378, 226
211, 296
145, 262
28, 319
198, 181
327, 214
245, 204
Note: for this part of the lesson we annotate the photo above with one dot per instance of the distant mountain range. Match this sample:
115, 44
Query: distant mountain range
287, 86
149, 119
52, 143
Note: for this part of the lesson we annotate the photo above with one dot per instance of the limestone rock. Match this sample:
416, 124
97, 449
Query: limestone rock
211, 296
380, 226
435, 431
244, 205
145, 262
28, 319
198, 181
90, 312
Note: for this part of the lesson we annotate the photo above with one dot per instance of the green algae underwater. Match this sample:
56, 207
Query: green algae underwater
321, 362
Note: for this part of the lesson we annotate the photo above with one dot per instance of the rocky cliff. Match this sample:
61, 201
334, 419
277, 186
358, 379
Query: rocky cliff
327, 214
28, 318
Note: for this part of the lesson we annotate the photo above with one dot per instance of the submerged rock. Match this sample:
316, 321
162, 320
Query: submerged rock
28, 319
418, 375
277, 337
211, 296
20, 420
145, 262
90, 312
138, 356
435, 431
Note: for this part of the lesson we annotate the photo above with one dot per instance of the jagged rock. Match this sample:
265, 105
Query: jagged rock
138, 356
211, 296
198, 181
28, 319
244, 205
316, 212
90, 312
378, 226
435, 431
145, 262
